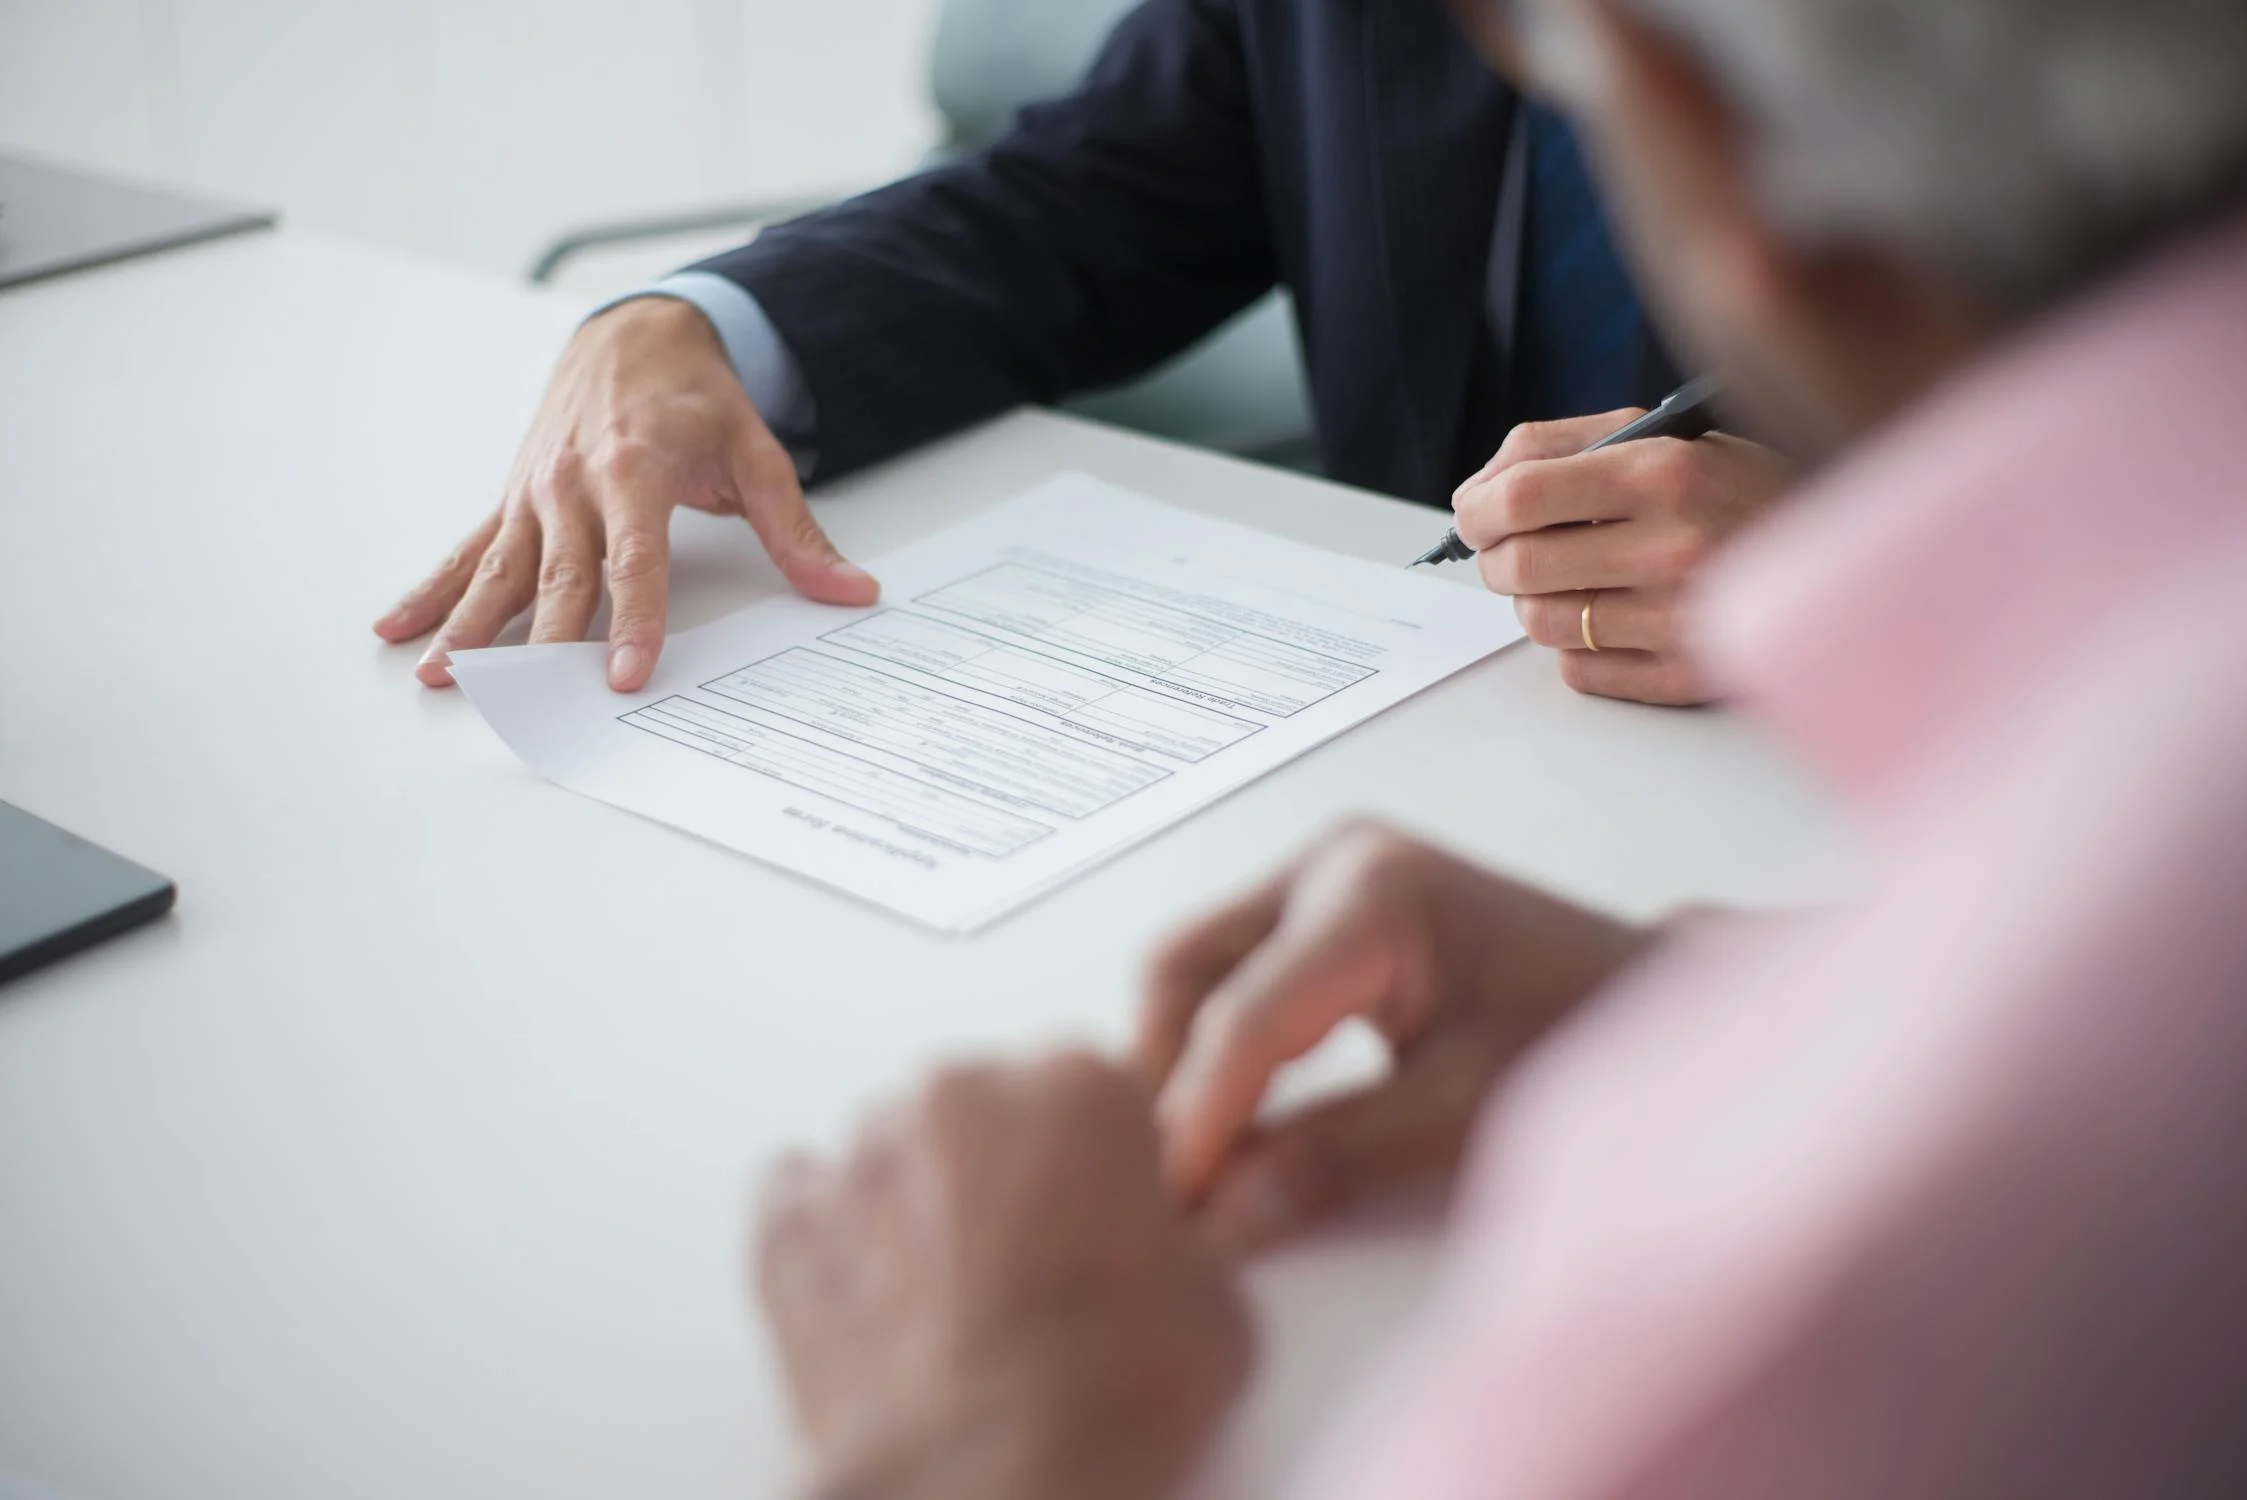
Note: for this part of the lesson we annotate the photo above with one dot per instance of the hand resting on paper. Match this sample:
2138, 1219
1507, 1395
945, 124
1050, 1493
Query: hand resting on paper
643, 415
1459, 970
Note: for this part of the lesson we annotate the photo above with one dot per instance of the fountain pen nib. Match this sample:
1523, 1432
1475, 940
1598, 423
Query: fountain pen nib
1447, 550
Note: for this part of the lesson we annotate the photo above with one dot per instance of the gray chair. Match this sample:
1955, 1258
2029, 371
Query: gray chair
1239, 391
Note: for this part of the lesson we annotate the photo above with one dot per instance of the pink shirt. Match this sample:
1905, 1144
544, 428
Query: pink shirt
1943, 1192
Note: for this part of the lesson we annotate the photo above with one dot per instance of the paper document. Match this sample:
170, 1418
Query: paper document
1040, 687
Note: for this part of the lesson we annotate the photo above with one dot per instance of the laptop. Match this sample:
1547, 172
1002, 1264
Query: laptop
54, 220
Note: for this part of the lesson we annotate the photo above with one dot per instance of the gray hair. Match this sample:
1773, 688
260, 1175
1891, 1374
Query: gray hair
2019, 146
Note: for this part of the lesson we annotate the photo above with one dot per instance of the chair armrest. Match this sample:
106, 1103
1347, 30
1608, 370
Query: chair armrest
663, 226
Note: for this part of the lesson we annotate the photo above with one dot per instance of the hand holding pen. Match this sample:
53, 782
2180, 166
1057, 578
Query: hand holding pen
1597, 530
1686, 412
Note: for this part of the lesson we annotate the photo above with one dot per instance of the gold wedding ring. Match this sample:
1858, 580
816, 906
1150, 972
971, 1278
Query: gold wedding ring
1591, 643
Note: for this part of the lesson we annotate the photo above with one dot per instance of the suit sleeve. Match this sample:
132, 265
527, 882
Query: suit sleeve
1106, 231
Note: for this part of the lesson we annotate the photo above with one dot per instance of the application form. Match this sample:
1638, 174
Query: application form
1041, 686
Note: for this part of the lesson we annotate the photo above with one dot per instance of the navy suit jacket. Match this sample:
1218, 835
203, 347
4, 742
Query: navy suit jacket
1351, 150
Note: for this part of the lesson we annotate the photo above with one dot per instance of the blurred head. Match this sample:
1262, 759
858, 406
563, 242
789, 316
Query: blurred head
1837, 201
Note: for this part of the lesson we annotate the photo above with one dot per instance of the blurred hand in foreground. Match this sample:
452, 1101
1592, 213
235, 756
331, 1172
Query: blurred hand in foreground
643, 415
995, 1297
1458, 970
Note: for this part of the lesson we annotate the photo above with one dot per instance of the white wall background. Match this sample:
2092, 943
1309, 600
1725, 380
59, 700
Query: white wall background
474, 130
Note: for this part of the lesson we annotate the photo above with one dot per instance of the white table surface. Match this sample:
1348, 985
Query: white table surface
412, 1156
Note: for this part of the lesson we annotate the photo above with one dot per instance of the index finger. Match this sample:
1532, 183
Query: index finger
1532, 441
1316, 970
1191, 965
639, 568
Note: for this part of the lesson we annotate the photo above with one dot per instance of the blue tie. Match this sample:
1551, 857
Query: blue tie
1578, 341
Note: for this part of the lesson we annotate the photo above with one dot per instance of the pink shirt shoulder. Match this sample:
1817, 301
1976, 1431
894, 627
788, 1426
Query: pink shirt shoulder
1937, 1193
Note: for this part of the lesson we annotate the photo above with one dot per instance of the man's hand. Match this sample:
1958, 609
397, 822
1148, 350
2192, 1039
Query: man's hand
996, 1298
1458, 970
1663, 505
643, 414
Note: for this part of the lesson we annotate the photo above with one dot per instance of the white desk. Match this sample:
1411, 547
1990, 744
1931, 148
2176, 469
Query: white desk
411, 1158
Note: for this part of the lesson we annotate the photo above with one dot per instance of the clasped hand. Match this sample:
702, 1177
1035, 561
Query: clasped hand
1014, 1286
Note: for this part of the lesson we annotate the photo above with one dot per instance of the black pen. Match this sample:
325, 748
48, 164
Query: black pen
1685, 414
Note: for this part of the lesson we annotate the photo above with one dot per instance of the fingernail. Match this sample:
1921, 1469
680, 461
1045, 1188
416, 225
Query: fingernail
437, 658
626, 663
390, 621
